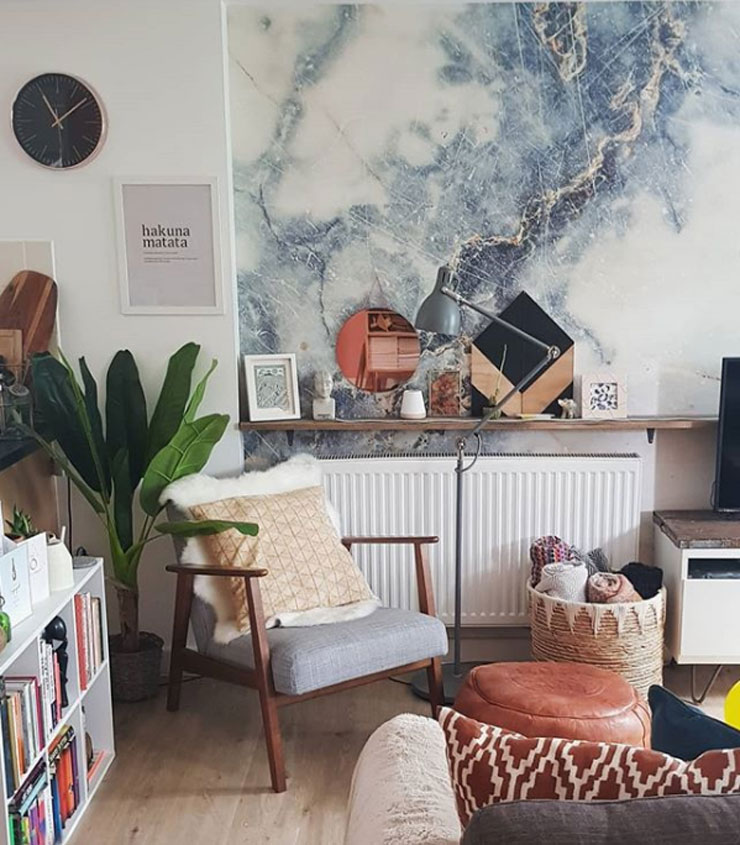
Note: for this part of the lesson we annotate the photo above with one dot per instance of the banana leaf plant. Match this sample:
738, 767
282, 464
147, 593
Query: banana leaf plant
109, 462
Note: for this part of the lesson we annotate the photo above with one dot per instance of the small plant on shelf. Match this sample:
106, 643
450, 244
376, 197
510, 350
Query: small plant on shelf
108, 462
21, 525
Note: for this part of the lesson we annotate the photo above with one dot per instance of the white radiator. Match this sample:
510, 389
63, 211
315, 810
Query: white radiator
510, 500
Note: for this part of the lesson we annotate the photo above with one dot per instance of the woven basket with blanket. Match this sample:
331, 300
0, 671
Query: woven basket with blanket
581, 612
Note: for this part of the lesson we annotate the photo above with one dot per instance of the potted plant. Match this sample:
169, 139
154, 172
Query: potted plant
109, 462
20, 527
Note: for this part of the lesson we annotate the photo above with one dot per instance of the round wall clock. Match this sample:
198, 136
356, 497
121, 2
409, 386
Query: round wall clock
58, 120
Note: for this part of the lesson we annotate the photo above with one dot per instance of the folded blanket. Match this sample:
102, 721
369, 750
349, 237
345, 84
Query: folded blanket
566, 581
611, 588
595, 560
647, 580
547, 550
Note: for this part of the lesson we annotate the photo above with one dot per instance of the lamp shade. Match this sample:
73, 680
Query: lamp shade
438, 313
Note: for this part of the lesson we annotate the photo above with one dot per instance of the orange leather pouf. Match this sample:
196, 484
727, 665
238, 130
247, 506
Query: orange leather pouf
569, 700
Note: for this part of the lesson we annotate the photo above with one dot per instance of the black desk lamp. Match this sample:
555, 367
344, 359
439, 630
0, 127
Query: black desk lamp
440, 313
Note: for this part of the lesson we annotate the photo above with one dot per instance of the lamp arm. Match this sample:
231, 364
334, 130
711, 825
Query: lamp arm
460, 300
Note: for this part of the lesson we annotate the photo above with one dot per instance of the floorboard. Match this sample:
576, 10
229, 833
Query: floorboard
200, 776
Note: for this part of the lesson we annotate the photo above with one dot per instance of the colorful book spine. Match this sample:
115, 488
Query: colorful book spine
79, 627
88, 636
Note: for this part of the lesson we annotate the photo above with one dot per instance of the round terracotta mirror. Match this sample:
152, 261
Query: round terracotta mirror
377, 349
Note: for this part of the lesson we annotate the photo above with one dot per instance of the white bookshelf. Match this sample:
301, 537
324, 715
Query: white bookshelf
21, 657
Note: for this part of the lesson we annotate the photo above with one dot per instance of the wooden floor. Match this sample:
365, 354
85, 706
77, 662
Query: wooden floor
200, 776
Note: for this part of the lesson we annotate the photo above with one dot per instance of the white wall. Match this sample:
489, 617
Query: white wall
159, 69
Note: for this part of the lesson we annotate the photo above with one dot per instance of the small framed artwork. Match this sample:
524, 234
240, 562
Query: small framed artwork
168, 246
272, 387
15, 586
444, 394
603, 396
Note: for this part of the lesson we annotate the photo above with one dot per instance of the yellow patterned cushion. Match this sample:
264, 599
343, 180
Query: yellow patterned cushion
297, 543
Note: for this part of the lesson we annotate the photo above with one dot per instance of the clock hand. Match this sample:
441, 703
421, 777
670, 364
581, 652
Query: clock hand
48, 106
58, 121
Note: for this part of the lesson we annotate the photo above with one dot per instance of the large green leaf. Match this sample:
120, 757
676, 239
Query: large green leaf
96, 423
122, 499
173, 398
198, 394
125, 414
205, 527
56, 400
187, 452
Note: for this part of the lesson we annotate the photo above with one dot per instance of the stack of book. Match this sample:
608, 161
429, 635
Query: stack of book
22, 727
64, 778
89, 639
31, 813
51, 686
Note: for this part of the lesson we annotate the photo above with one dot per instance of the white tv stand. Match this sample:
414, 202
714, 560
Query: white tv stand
699, 553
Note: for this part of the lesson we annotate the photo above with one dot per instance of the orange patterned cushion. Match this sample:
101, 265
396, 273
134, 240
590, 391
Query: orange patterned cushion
489, 765
297, 543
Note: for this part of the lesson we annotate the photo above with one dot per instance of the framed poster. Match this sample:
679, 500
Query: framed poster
272, 387
169, 246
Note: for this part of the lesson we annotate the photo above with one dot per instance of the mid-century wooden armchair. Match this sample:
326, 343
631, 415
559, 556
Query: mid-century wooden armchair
289, 665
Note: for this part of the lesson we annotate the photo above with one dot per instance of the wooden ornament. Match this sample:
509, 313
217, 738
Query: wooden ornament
29, 303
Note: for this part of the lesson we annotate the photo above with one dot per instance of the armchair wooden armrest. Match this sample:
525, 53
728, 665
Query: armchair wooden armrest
421, 561
188, 569
376, 541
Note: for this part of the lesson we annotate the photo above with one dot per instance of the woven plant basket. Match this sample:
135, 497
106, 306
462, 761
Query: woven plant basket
626, 638
135, 675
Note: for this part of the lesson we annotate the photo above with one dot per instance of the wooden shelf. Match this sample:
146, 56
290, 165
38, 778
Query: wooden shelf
647, 424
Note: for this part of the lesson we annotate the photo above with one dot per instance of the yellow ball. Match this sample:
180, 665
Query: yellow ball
732, 706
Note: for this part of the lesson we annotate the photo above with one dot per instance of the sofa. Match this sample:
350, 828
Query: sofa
401, 794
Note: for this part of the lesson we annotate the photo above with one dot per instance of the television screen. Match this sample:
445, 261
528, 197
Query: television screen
727, 481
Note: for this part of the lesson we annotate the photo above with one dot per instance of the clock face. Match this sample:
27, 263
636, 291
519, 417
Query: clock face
58, 121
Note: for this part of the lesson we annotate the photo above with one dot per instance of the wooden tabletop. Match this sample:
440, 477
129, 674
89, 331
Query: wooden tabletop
700, 529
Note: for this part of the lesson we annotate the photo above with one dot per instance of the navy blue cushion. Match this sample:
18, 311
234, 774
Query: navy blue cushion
684, 731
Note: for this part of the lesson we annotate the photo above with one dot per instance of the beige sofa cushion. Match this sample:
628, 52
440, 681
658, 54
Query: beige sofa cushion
401, 791
308, 565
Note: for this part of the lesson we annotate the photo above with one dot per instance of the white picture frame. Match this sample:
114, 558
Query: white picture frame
169, 245
38, 568
15, 586
272, 387
603, 396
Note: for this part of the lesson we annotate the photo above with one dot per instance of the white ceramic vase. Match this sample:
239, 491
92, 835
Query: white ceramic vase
61, 573
412, 405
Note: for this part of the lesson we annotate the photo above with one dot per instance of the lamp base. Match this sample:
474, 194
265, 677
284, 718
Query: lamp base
450, 681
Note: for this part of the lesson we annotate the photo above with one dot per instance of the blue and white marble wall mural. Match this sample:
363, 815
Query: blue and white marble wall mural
588, 154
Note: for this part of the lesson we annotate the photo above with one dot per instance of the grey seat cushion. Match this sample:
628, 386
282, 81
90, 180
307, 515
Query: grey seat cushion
305, 659
688, 820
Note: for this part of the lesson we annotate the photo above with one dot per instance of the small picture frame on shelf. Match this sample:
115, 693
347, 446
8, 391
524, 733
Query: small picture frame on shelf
603, 396
15, 587
272, 387
444, 393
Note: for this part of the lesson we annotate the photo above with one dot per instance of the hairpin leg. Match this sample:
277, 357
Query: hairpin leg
698, 698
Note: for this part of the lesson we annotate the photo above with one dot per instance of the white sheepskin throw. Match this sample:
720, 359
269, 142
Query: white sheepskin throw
296, 473
401, 790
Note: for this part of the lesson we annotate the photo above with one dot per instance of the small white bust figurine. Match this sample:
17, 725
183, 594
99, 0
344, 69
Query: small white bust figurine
324, 407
